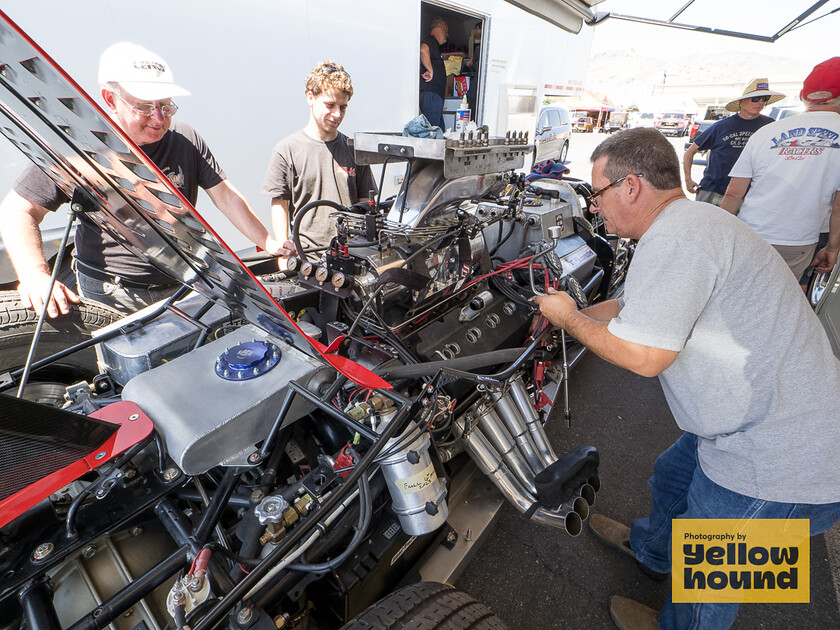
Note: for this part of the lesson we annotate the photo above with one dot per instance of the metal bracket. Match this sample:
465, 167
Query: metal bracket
82, 201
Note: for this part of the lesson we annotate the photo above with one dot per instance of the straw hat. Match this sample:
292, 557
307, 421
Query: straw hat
756, 87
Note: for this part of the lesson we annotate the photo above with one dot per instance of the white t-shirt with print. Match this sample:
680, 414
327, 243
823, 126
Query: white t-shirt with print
794, 165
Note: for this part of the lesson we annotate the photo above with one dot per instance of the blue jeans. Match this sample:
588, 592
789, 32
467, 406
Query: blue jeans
680, 489
124, 299
431, 106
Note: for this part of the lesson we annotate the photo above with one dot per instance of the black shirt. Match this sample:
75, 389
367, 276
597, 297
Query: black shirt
182, 155
438, 82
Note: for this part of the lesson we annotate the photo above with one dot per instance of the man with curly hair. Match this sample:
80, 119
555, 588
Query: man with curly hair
316, 162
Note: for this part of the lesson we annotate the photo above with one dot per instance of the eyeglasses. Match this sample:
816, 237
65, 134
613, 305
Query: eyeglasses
756, 99
148, 109
593, 198
331, 69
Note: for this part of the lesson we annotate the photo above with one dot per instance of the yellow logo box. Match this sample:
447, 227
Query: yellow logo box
735, 560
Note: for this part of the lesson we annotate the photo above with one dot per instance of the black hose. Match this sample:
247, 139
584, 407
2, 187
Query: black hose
365, 514
504, 240
299, 217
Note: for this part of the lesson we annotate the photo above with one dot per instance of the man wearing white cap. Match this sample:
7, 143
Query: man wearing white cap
137, 88
784, 183
726, 139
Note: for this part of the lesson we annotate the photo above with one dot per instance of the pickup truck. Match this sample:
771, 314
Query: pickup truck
585, 124
617, 122
673, 124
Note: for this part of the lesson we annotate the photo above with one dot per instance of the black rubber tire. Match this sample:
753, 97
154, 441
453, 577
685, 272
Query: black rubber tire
426, 606
564, 153
17, 325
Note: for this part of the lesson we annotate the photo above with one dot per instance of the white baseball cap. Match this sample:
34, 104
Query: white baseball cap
141, 72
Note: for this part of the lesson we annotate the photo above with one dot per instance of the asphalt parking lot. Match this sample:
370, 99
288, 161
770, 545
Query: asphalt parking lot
541, 579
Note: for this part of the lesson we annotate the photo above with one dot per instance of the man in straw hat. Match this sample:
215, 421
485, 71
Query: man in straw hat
137, 89
726, 139
784, 183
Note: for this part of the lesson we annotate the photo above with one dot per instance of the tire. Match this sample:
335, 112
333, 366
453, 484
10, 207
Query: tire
426, 606
17, 325
564, 152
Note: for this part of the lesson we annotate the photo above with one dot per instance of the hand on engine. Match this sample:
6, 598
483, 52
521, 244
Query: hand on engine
556, 306
33, 288
276, 248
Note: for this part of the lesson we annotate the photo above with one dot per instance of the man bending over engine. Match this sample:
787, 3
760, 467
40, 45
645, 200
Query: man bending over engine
316, 162
137, 88
755, 391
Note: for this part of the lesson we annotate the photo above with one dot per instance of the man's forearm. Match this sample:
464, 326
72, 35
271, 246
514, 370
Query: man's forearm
688, 161
228, 200
735, 193
595, 336
603, 311
22, 237
280, 219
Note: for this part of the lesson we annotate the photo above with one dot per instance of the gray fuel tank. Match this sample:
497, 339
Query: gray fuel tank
207, 420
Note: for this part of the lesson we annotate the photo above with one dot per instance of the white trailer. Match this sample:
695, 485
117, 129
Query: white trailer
245, 63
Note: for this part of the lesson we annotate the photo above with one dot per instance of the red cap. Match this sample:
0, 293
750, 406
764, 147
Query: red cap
823, 84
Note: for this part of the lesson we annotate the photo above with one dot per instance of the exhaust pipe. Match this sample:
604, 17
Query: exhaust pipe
567, 517
515, 423
522, 400
587, 493
491, 425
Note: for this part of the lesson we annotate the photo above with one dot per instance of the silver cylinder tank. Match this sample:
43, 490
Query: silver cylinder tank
418, 494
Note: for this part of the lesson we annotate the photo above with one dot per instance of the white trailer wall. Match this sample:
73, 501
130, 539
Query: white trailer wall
245, 63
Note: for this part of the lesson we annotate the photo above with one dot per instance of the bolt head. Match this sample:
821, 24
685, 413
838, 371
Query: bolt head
100, 455
134, 416
42, 551
89, 551
244, 615
253, 458
170, 474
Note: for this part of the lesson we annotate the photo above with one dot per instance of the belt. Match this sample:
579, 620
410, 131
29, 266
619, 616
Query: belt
104, 276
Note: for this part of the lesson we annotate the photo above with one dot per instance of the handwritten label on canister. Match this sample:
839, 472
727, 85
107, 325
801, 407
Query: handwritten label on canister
418, 482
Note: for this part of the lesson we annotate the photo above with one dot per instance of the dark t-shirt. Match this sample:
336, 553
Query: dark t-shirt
438, 82
725, 141
182, 155
303, 169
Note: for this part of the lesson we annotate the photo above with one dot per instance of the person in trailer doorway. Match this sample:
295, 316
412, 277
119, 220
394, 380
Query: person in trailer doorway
784, 184
137, 88
726, 139
316, 163
701, 311
433, 72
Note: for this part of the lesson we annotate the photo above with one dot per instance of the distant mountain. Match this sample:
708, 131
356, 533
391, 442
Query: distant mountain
627, 77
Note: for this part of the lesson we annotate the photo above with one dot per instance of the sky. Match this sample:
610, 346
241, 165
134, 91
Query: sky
813, 42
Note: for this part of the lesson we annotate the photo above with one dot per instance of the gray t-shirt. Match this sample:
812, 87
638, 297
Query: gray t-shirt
303, 169
755, 378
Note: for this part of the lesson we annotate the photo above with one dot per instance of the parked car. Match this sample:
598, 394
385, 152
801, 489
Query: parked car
696, 129
777, 112
673, 124
646, 119
554, 129
617, 121
584, 124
